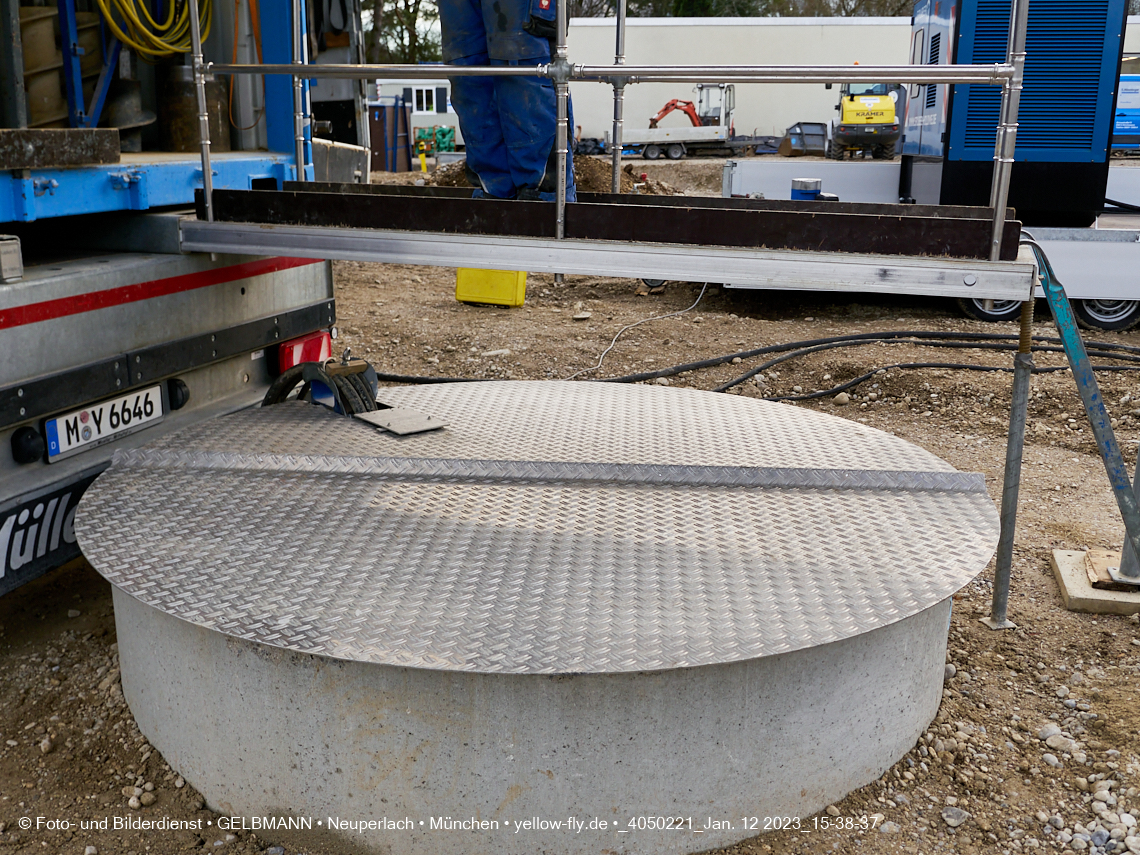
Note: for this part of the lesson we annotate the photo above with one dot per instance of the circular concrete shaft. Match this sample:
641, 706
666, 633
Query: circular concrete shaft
626, 607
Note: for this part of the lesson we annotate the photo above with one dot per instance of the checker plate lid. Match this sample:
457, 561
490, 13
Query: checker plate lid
551, 528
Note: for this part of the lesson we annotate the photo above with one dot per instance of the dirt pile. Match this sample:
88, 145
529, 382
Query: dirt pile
591, 175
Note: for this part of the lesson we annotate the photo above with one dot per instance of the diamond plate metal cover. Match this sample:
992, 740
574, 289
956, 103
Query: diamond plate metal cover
551, 528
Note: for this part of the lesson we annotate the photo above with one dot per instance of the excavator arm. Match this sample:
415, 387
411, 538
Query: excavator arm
685, 107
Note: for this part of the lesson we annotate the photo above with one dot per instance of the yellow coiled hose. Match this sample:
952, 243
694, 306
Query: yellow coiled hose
135, 27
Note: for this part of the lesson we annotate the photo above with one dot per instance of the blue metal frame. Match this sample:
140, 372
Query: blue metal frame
72, 74
78, 117
135, 185
277, 41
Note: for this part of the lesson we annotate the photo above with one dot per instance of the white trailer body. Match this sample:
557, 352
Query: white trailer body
1098, 266
110, 349
664, 136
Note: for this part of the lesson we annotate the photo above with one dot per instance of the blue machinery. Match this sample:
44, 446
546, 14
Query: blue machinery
143, 181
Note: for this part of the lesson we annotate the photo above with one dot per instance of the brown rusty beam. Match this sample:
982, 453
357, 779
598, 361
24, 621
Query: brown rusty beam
880, 229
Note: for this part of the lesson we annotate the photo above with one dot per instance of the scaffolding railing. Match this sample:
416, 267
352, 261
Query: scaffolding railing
1009, 75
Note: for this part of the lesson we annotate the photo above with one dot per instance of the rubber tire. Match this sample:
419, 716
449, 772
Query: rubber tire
651, 152
349, 397
835, 151
1003, 310
675, 151
365, 393
883, 152
1107, 315
654, 283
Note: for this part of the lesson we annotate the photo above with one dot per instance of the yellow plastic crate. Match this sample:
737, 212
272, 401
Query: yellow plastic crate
497, 287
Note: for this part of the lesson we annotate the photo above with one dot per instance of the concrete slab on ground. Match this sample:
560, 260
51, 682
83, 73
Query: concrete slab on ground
1069, 566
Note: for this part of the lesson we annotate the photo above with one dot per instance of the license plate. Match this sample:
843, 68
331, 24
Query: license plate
101, 423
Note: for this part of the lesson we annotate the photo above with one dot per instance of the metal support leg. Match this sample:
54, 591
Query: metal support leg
203, 113
1011, 481
1094, 407
298, 91
1005, 143
1129, 568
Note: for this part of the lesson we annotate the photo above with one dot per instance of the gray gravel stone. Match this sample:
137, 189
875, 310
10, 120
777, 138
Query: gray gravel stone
1099, 837
1048, 731
889, 827
1051, 759
950, 671
1060, 743
954, 816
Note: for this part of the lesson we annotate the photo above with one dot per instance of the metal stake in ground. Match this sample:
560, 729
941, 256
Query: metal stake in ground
1011, 482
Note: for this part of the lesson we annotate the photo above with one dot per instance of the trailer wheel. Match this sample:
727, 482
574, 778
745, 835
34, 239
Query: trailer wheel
651, 152
883, 152
675, 152
1001, 310
1107, 315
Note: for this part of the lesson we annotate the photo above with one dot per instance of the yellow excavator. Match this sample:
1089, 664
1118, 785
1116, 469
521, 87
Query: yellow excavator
867, 121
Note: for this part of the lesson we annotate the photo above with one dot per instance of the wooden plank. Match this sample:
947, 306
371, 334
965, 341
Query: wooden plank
45, 148
1097, 562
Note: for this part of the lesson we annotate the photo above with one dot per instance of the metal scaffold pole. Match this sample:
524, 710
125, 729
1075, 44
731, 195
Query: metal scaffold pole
203, 113
562, 88
619, 101
298, 90
1004, 147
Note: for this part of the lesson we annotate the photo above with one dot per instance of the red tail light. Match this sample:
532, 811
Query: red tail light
314, 347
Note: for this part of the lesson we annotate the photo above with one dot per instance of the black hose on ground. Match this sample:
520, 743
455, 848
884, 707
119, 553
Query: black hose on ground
791, 350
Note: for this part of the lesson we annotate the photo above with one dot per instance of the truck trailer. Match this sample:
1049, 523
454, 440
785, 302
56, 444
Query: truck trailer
111, 334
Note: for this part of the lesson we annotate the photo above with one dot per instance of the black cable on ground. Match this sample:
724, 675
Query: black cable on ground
922, 338
410, 378
843, 387
949, 344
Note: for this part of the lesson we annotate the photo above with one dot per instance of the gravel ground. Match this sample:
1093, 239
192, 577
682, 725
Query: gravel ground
1037, 743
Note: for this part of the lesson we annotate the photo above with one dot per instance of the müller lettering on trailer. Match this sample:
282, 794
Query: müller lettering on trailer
33, 532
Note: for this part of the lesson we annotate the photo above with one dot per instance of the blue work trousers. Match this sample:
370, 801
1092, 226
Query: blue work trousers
509, 124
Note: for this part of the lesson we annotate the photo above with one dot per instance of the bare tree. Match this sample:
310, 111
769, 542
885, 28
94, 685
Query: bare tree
401, 31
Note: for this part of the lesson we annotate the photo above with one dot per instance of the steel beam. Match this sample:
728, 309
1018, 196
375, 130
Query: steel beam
992, 75
752, 268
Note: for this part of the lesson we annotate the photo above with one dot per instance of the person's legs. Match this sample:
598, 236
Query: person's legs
528, 112
474, 99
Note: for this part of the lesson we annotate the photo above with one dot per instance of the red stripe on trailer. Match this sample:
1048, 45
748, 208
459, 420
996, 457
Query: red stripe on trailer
50, 309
